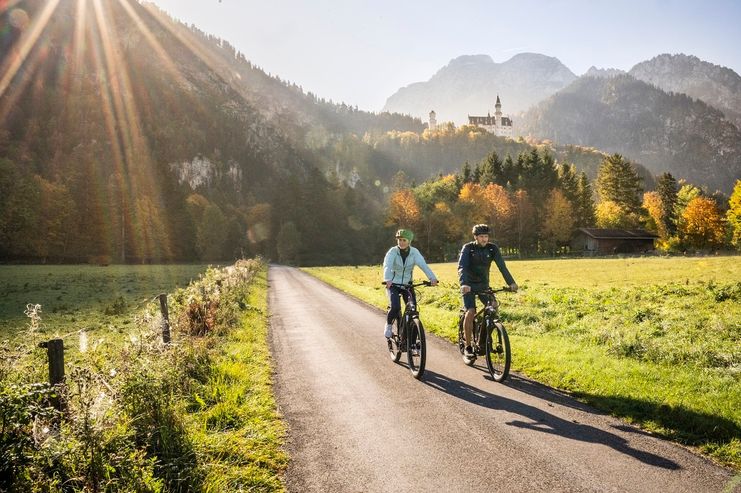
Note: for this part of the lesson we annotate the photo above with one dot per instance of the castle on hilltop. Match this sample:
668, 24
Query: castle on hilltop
497, 124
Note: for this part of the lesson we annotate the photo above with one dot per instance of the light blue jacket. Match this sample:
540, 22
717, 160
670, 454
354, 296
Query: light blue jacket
400, 272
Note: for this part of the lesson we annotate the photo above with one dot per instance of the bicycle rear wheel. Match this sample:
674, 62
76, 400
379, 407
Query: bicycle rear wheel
416, 348
498, 353
394, 344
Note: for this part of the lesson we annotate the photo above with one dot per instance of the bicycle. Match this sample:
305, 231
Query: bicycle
409, 333
497, 349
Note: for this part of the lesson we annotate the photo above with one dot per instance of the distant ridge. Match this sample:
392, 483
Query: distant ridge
662, 131
469, 85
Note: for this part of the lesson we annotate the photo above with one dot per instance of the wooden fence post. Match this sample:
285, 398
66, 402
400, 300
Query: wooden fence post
165, 319
55, 352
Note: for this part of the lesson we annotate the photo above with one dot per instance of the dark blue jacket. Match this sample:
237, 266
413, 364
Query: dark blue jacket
474, 263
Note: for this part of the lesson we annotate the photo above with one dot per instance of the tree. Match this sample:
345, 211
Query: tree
539, 176
733, 215
55, 225
440, 228
655, 209
403, 210
610, 215
491, 170
211, 234
259, 233
584, 203
685, 195
558, 224
501, 213
511, 172
289, 242
618, 182
667, 189
466, 173
568, 182
702, 224
525, 223
474, 207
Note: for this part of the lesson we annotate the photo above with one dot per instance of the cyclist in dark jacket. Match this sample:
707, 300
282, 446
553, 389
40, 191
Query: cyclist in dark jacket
473, 273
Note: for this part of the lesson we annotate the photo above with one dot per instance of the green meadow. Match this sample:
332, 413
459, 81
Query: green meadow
655, 341
77, 297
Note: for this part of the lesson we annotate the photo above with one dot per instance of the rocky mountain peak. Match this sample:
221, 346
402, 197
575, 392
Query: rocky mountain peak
716, 85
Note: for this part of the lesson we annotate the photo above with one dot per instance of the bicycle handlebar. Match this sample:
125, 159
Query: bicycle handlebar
492, 291
407, 286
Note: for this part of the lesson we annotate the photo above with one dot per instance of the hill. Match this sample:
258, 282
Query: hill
662, 131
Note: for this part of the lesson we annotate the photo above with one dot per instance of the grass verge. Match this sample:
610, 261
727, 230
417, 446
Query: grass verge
194, 415
232, 415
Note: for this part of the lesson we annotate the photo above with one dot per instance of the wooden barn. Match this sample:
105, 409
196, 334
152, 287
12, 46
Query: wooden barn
609, 241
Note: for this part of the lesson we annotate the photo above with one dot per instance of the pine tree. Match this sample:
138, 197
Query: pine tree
585, 203
466, 173
491, 170
667, 189
476, 175
509, 173
568, 182
618, 182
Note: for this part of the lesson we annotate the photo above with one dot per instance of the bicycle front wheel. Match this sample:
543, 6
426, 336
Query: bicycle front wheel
416, 348
394, 343
498, 353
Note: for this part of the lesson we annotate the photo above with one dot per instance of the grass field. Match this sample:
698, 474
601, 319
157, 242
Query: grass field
75, 297
656, 341
195, 415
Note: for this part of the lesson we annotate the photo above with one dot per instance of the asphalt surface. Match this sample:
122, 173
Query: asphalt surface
360, 423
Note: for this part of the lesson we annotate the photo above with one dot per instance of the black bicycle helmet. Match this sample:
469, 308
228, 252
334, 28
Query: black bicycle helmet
481, 229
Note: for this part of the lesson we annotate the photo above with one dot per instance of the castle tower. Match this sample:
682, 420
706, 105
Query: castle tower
498, 110
433, 122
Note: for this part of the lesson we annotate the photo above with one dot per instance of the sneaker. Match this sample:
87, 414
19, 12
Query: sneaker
468, 352
388, 331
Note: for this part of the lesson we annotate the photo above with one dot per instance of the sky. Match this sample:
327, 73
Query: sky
361, 52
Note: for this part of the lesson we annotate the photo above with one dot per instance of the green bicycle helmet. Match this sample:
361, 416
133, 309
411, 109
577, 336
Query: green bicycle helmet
405, 233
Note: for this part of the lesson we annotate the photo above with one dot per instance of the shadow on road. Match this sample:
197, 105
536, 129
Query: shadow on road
542, 421
677, 422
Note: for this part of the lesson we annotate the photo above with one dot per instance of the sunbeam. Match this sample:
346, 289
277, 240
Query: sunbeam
15, 61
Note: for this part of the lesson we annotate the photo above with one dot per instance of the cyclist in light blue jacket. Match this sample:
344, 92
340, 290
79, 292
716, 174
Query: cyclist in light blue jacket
398, 268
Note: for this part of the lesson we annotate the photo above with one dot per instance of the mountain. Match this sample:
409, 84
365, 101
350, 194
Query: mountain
128, 137
663, 131
717, 86
469, 85
603, 72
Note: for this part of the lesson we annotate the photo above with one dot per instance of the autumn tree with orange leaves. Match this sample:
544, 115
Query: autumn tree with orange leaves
652, 203
558, 224
403, 211
702, 224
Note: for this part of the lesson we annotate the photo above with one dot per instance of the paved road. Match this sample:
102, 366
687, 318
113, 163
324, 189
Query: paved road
358, 422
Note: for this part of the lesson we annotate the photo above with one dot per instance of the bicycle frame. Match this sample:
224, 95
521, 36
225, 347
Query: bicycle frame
490, 308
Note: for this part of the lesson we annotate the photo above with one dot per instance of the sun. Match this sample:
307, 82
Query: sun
89, 43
